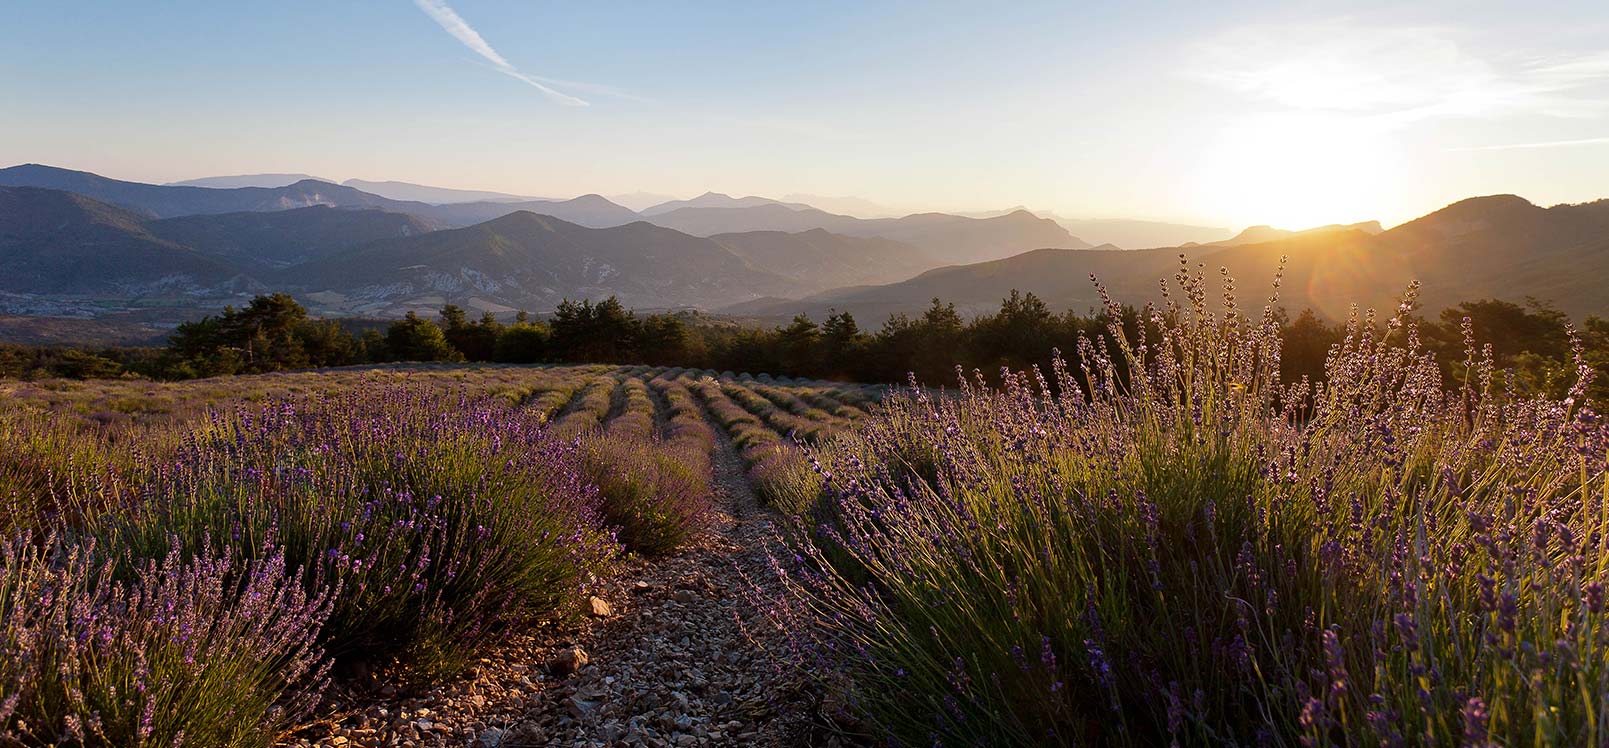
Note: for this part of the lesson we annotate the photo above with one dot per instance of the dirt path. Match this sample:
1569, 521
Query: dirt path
675, 665
676, 661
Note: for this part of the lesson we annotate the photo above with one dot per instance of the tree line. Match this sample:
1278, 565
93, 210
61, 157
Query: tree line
275, 333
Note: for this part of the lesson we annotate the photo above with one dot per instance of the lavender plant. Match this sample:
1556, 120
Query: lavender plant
439, 519
189, 651
1169, 545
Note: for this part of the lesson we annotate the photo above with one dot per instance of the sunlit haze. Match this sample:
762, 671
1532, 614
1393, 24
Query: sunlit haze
1224, 114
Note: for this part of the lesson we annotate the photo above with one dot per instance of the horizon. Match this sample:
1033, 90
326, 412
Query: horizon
1228, 117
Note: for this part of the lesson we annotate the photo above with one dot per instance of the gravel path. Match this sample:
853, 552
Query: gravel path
674, 656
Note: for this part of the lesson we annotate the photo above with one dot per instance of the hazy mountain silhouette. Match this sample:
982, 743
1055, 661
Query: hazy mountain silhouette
817, 259
248, 180
640, 200
593, 211
717, 200
947, 238
1131, 234
1125, 233
1258, 234
848, 205
425, 193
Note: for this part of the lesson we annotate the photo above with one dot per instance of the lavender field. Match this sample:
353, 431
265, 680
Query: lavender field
1157, 542
212, 563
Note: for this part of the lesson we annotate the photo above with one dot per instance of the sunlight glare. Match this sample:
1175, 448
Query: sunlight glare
1296, 171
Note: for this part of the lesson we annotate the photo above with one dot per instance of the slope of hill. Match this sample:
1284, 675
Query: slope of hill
1504, 246
947, 238
54, 242
248, 180
817, 259
425, 193
277, 239
528, 261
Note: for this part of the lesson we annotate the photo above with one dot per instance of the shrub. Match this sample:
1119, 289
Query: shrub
1172, 546
657, 498
785, 479
441, 520
589, 408
202, 651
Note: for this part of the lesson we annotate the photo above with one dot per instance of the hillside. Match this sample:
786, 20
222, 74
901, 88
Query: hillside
527, 261
55, 242
278, 239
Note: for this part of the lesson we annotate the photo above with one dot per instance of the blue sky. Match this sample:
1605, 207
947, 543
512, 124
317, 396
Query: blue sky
1225, 113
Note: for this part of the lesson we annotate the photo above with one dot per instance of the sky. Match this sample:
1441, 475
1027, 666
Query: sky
1224, 114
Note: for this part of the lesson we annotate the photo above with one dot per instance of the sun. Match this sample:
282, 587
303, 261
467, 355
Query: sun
1296, 171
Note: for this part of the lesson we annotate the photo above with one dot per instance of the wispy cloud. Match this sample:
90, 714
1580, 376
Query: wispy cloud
452, 23
1529, 146
1394, 76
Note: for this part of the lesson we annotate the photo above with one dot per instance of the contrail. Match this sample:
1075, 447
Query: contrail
1544, 144
460, 29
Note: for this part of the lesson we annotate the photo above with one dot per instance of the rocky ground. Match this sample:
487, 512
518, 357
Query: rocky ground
672, 654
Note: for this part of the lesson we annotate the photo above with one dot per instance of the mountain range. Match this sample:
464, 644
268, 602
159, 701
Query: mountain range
77, 243
1499, 246
354, 252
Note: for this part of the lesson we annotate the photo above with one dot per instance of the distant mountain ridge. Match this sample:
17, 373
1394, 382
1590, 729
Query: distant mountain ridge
1259, 234
1126, 233
947, 238
425, 193
817, 259
1487, 247
248, 180
717, 200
